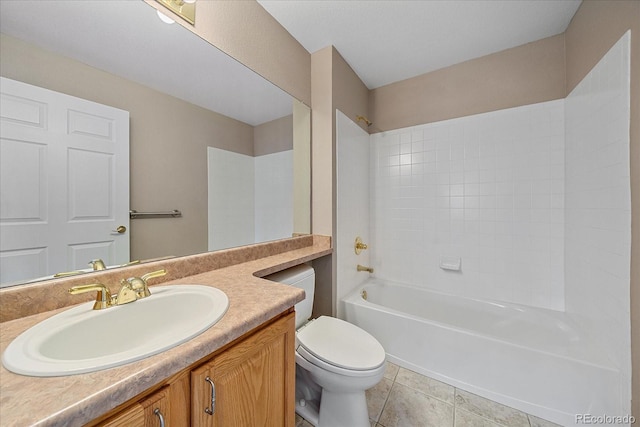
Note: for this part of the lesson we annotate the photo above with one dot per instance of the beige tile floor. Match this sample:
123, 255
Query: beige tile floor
406, 399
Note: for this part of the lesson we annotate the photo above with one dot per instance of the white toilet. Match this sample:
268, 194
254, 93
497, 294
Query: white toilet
336, 361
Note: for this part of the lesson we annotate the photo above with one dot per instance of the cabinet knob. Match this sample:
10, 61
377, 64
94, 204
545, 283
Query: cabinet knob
159, 414
213, 397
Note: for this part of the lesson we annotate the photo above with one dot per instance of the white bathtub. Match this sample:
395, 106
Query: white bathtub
531, 359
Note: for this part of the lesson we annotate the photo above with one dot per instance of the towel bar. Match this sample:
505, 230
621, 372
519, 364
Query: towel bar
133, 214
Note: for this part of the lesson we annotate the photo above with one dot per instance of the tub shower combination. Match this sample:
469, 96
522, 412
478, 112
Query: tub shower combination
537, 201
532, 359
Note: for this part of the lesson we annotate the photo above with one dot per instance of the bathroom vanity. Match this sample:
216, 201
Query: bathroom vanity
248, 355
248, 382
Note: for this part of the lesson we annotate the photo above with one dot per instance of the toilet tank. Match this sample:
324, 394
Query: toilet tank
304, 277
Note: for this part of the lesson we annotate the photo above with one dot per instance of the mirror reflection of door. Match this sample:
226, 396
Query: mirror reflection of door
61, 152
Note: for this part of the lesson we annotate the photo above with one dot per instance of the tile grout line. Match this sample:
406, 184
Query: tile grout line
386, 400
455, 392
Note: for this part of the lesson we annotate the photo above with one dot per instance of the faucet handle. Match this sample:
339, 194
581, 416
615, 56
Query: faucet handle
67, 273
154, 274
127, 264
359, 246
139, 284
103, 297
97, 264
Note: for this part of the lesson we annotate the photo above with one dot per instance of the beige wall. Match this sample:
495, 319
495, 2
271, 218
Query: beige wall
596, 26
335, 86
168, 141
322, 142
350, 95
247, 33
273, 137
322, 172
526, 74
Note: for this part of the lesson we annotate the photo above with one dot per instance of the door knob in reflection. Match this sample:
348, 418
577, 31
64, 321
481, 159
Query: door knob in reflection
121, 229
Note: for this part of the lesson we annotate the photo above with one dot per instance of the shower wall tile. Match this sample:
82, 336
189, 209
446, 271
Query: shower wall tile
598, 206
487, 188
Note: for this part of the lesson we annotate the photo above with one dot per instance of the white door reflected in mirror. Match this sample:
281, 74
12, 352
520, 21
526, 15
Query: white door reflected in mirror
64, 183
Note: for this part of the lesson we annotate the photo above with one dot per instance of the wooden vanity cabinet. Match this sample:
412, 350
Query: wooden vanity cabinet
253, 379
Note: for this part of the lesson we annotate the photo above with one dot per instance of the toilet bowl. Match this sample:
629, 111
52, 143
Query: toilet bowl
336, 361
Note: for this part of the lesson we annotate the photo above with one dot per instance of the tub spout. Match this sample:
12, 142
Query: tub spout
363, 268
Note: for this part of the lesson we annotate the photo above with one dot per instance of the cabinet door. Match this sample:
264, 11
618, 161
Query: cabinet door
157, 408
152, 411
253, 382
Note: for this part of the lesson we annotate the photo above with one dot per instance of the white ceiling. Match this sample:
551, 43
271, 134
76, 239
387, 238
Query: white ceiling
126, 38
385, 41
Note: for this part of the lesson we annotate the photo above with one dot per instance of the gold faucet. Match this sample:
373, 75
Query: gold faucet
132, 289
104, 299
97, 264
363, 268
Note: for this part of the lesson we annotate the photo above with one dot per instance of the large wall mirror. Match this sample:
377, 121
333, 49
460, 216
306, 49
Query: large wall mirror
208, 136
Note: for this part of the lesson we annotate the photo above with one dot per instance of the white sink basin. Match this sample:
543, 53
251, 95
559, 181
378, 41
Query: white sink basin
82, 340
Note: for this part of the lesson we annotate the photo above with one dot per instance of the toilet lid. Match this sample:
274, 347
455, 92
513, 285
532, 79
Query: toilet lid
341, 344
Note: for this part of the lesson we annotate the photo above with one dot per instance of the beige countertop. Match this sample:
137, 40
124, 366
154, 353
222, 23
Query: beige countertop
77, 399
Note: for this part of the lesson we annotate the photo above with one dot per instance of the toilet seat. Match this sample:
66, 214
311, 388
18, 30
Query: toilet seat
339, 347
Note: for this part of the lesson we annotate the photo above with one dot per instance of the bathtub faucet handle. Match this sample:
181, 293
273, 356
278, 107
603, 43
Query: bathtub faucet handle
359, 245
363, 268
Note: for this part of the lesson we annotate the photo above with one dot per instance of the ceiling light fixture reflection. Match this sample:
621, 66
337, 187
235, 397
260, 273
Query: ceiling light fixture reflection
186, 9
164, 18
